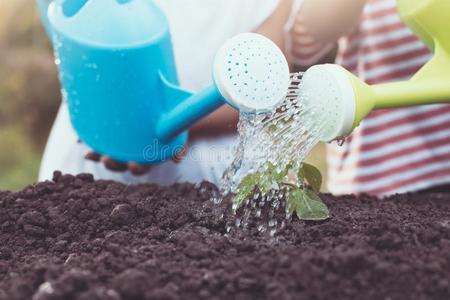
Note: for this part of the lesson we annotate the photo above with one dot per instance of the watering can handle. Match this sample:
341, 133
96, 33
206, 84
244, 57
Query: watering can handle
43, 11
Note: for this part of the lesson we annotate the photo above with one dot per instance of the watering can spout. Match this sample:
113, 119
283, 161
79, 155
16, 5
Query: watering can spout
428, 86
191, 108
242, 78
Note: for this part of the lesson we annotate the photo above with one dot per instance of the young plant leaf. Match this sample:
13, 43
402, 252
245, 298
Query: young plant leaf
293, 200
263, 180
286, 170
268, 178
312, 175
304, 202
307, 205
245, 189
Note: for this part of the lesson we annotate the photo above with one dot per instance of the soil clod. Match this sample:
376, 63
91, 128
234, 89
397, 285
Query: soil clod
122, 214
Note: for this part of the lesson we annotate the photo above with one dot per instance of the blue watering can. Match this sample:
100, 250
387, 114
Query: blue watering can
118, 76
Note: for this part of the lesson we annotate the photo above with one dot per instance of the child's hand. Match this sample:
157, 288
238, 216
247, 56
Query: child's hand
134, 168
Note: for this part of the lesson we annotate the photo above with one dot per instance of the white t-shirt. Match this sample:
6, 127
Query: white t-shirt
198, 29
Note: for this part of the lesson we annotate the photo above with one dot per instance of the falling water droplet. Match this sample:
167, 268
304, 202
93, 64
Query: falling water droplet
279, 137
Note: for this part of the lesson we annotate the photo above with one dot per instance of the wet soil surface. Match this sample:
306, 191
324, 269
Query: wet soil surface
74, 238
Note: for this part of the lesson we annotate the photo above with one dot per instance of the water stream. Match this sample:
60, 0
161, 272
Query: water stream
280, 137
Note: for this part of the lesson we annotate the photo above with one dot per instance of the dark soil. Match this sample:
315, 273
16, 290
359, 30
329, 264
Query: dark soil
79, 239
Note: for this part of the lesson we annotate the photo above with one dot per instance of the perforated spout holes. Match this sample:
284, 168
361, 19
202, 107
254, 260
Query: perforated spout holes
252, 73
319, 94
327, 96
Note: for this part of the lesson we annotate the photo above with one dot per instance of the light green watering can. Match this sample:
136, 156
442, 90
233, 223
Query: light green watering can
341, 100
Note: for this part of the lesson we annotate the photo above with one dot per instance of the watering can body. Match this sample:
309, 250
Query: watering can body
431, 84
119, 78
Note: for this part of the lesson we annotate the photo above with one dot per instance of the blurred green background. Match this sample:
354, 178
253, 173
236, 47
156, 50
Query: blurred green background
29, 95
29, 92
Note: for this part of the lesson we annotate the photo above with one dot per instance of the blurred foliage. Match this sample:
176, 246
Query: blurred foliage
29, 92
17, 158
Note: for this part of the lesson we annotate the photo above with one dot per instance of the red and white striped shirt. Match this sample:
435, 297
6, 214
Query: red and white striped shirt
395, 150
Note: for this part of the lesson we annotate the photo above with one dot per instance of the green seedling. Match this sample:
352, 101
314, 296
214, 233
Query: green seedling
300, 189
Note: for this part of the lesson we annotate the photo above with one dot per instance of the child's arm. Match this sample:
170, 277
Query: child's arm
273, 27
319, 24
325, 21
